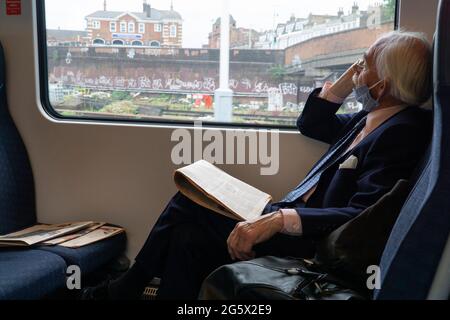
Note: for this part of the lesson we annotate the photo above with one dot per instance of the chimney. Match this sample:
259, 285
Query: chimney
355, 8
340, 12
104, 6
147, 9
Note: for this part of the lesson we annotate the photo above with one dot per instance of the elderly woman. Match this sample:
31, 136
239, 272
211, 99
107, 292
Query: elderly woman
370, 152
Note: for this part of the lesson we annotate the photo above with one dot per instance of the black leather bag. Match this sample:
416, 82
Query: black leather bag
338, 271
271, 278
351, 249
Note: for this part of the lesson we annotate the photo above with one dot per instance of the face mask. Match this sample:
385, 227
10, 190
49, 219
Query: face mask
363, 96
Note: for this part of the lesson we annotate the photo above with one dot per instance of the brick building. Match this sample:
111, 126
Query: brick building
298, 30
151, 27
240, 38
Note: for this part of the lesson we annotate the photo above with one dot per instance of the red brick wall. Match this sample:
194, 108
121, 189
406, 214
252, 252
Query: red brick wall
338, 42
149, 35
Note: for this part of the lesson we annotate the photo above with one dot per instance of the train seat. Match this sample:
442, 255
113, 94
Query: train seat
38, 272
415, 249
92, 257
30, 274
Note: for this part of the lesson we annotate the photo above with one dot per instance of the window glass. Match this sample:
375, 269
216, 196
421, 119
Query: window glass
161, 62
123, 27
131, 27
141, 27
173, 31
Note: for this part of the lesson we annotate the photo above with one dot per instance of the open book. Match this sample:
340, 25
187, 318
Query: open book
71, 235
210, 187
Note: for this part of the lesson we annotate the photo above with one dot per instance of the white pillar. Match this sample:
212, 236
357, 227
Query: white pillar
223, 106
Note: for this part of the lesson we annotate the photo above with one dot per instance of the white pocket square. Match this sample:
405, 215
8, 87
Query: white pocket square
350, 163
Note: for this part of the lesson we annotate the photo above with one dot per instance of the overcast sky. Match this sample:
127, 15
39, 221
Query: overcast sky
198, 15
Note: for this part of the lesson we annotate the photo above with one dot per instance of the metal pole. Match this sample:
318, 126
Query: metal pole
225, 47
224, 95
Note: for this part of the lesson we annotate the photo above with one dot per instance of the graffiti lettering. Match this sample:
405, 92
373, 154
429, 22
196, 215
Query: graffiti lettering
207, 84
261, 87
233, 84
288, 89
246, 83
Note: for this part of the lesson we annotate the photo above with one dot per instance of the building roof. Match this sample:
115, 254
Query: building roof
155, 15
65, 34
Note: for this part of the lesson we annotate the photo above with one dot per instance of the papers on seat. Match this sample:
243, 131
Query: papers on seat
60, 234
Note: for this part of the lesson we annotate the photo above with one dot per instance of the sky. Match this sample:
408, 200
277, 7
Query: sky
199, 15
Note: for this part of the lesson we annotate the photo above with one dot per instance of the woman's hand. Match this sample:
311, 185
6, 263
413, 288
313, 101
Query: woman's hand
248, 234
343, 87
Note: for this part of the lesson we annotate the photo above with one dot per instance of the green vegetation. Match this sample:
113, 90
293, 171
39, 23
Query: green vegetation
121, 107
120, 95
68, 113
122, 103
390, 6
71, 101
277, 72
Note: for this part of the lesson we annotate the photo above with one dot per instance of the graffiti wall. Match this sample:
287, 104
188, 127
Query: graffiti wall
155, 74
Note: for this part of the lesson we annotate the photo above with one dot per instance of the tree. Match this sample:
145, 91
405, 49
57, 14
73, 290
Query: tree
390, 6
277, 72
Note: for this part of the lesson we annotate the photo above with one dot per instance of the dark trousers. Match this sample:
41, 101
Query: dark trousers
189, 242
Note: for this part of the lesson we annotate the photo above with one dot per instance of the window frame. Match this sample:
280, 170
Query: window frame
44, 93
111, 24
154, 41
98, 44
157, 27
123, 27
173, 31
123, 43
141, 28
96, 24
131, 27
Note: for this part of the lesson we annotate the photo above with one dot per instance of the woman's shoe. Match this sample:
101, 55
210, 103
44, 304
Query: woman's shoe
100, 292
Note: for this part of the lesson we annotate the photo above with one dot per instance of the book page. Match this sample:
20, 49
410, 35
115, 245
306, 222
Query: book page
211, 187
190, 190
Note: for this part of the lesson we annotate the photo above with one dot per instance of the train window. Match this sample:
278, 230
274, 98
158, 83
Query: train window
165, 61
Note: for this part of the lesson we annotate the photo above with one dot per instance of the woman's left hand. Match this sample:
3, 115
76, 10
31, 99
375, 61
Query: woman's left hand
248, 234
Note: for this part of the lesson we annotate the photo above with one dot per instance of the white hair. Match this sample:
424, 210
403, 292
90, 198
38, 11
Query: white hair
406, 60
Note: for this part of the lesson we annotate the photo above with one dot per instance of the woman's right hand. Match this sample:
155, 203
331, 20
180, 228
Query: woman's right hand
344, 86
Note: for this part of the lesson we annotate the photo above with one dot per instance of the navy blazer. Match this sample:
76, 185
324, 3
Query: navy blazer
390, 153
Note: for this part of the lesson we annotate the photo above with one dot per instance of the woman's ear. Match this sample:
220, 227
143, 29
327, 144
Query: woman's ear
383, 89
